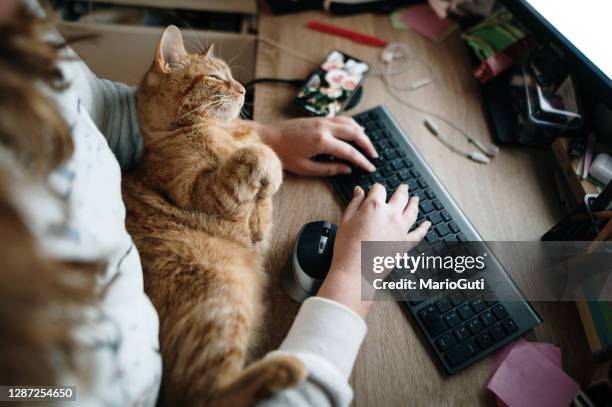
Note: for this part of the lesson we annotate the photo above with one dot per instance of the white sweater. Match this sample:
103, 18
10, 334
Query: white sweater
80, 215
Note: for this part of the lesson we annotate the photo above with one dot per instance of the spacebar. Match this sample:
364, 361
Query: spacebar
462, 353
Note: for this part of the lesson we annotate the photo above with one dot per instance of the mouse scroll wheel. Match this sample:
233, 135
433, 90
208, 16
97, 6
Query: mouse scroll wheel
325, 232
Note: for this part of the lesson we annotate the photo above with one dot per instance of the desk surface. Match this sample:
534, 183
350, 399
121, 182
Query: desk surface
513, 198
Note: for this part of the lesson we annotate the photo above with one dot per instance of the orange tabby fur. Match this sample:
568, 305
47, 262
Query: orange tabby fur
199, 209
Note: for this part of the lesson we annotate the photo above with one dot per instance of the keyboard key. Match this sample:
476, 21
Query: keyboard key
487, 318
434, 218
484, 340
362, 178
415, 173
386, 171
423, 183
397, 164
390, 154
446, 216
509, 326
413, 185
451, 319
408, 163
393, 182
393, 143
430, 195
497, 333
443, 230
461, 334
445, 342
432, 236
499, 311
474, 326
421, 194
432, 320
461, 237
456, 299
453, 226
443, 305
404, 174
438, 205
426, 207
376, 176
478, 305
465, 312
462, 353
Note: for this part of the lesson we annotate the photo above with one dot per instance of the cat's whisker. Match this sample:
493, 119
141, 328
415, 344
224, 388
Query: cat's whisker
202, 49
240, 67
238, 54
206, 106
191, 45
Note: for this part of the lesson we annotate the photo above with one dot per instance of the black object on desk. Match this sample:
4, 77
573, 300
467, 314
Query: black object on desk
309, 260
462, 327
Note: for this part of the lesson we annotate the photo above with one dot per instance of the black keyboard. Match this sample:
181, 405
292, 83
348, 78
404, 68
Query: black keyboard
461, 326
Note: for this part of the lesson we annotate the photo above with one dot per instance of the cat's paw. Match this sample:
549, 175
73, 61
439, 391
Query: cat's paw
282, 372
271, 175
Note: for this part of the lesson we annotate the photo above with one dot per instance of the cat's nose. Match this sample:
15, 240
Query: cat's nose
240, 89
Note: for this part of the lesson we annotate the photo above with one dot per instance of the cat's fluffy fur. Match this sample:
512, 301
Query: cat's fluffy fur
199, 209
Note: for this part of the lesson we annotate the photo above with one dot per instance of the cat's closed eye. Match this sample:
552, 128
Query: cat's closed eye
216, 77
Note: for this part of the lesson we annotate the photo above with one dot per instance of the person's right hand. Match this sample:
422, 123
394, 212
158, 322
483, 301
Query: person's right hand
369, 219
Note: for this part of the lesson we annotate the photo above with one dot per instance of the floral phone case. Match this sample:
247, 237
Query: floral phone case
329, 88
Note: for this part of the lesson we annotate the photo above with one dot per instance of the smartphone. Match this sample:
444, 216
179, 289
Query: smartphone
328, 90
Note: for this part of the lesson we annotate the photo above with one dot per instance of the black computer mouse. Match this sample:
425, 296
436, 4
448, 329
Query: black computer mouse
309, 260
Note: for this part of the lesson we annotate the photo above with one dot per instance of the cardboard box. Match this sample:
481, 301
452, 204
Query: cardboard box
226, 6
123, 53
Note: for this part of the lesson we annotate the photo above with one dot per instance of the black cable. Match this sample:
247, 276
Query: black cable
293, 82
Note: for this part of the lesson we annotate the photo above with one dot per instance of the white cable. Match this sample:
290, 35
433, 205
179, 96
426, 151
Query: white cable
472, 155
398, 51
286, 49
401, 52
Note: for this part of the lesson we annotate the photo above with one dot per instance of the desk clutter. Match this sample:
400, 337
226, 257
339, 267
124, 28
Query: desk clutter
529, 374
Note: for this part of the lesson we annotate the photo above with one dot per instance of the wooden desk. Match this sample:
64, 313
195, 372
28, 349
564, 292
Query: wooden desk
513, 198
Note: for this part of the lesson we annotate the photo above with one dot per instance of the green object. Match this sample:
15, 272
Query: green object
396, 19
496, 33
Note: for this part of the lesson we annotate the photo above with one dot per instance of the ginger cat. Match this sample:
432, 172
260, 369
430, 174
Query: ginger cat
199, 210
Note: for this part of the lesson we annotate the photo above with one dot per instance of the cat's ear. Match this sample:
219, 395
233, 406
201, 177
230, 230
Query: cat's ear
209, 51
170, 49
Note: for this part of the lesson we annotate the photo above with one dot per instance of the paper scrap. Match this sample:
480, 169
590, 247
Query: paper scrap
529, 374
396, 20
423, 20
552, 352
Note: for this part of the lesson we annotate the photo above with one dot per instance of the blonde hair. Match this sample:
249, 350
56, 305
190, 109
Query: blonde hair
35, 339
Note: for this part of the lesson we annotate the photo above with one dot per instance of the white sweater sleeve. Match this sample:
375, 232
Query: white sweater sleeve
326, 337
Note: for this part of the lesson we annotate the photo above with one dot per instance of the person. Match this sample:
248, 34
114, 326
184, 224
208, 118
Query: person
79, 217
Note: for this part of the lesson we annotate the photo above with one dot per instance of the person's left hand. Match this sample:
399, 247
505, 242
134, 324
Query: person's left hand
298, 141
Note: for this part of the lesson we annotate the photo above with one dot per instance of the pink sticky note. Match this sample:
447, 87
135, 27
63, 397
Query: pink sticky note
423, 20
528, 377
552, 352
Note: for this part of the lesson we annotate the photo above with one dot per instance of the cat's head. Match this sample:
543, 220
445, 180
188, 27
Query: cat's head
182, 88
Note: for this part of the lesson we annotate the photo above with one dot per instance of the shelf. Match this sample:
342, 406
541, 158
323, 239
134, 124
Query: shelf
227, 6
568, 165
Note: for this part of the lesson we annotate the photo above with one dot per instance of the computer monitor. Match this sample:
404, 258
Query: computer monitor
580, 32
